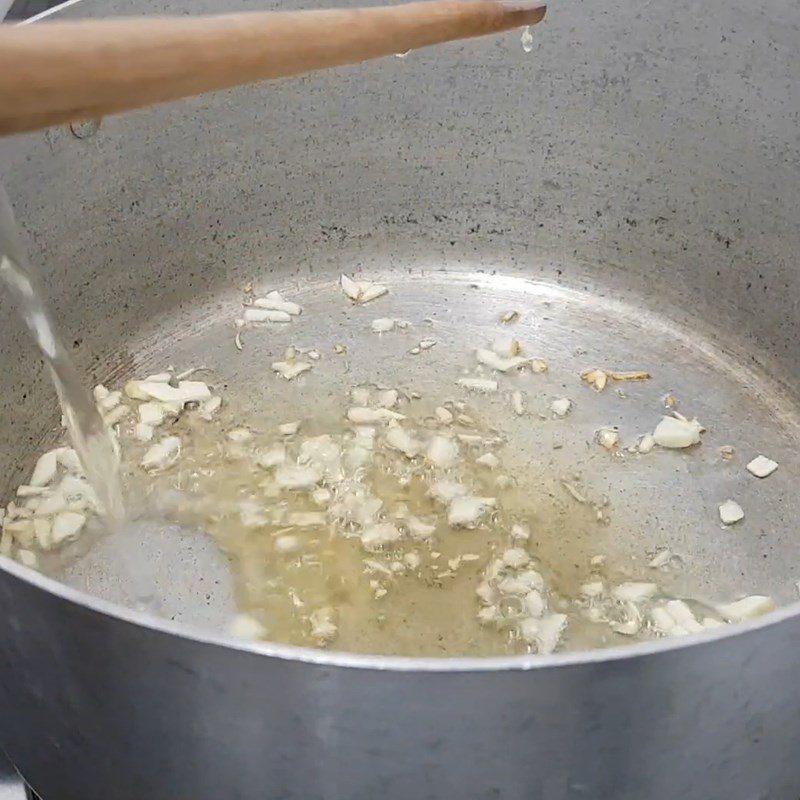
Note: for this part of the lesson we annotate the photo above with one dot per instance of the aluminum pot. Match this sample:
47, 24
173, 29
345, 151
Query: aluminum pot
645, 155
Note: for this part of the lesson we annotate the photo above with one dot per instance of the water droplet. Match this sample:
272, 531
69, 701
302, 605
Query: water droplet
527, 39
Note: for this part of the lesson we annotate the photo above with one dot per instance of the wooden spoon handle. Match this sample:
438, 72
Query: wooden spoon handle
57, 72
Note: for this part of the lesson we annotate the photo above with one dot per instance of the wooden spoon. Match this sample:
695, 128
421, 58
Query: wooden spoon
57, 72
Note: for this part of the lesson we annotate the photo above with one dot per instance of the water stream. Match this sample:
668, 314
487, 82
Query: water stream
90, 437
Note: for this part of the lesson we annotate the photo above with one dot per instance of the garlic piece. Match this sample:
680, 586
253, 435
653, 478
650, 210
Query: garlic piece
275, 302
290, 369
515, 557
518, 403
533, 604
388, 398
67, 526
361, 291
683, 616
538, 365
762, 467
69, 459
100, 392
321, 497
287, 544
466, 512
350, 287
607, 438
730, 512
152, 413
425, 344
274, 457
478, 384
239, 435
412, 560
419, 528
677, 433
544, 633
112, 418
521, 532
660, 559
383, 325
592, 589
185, 392
323, 625
399, 439
490, 359
289, 428
210, 407
360, 395
633, 591
43, 532
45, 469
143, 432
243, 626
110, 401
162, 455
506, 347
297, 478
447, 491
166, 377
30, 491
369, 416
561, 406
442, 452
443, 416
265, 315
379, 534
509, 316
646, 444
28, 559
596, 378
488, 460
747, 608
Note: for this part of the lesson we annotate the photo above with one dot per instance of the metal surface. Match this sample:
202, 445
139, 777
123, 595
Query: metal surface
631, 186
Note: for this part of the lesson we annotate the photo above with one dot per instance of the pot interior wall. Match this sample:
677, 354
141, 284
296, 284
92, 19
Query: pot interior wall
647, 159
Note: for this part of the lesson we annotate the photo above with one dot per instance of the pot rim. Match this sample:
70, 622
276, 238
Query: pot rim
422, 664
